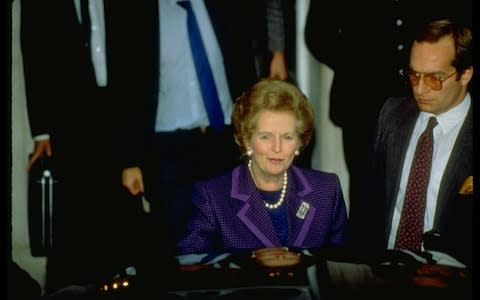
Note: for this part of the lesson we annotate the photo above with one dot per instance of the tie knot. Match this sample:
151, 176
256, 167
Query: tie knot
185, 4
432, 122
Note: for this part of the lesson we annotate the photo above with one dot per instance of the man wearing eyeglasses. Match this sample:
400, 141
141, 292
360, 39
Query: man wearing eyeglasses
439, 72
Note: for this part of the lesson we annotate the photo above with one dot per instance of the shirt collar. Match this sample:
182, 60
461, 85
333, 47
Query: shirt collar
450, 119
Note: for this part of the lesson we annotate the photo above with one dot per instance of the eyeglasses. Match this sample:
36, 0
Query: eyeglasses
432, 80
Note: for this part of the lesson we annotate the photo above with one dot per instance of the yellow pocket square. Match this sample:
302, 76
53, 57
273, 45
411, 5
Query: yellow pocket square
467, 186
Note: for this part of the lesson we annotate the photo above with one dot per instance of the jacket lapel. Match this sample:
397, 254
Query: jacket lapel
397, 142
300, 211
253, 214
458, 168
256, 217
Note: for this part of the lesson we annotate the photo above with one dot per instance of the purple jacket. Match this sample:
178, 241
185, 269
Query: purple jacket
230, 214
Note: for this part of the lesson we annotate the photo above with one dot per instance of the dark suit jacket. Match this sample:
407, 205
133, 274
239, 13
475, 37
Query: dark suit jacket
454, 214
231, 216
62, 97
87, 123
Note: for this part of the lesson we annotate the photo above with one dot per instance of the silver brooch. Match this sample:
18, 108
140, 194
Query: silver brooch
302, 210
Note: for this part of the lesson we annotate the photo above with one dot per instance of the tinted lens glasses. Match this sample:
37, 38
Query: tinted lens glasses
433, 80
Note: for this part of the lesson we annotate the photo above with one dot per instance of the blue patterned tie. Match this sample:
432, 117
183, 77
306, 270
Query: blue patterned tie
204, 72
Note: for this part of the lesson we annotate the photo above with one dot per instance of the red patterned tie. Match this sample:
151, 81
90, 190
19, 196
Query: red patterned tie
410, 228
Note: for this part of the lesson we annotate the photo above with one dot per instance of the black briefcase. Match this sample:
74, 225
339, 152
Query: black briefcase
41, 197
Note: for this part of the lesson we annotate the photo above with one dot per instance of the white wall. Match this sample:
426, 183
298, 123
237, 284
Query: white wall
315, 79
21, 146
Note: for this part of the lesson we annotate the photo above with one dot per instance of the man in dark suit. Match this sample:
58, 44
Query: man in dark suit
180, 146
439, 72
83, 81
366, 44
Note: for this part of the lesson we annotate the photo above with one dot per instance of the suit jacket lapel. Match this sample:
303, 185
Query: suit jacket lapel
398, 143
459, 166
397, 132
299, 222
253, 214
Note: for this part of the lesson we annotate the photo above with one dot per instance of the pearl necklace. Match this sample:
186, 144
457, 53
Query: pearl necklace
282, 194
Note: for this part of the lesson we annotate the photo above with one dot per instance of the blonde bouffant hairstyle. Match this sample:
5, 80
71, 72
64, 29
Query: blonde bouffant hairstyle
271, 95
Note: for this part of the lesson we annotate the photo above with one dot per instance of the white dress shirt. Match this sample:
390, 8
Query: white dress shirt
97, 43
180, 104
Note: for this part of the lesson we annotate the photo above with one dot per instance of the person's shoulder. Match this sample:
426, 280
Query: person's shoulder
315, 174
398, 104
319, 184
223, 179
397, 109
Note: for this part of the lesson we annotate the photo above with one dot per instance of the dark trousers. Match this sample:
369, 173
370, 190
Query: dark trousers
177, 160
96, 222
357, 145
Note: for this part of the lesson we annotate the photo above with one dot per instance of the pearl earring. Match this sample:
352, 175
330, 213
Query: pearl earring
297, 153
249, 151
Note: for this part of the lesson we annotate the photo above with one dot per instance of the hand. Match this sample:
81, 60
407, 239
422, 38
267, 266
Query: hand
40, 148
276, 257
439, 276
194, 267
278, 66
132, 179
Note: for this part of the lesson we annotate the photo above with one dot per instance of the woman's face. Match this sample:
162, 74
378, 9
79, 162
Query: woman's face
274, 143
